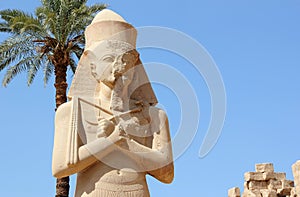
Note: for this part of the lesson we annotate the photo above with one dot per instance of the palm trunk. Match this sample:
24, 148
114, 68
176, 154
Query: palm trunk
61, 62
62, 187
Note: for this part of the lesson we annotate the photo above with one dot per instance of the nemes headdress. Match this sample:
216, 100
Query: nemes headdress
108, 26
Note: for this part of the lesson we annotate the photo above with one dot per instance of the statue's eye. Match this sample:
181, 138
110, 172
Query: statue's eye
108, 58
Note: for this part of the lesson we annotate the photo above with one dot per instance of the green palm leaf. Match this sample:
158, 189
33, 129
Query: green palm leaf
56, 27
14, 49
47, 71
12, 71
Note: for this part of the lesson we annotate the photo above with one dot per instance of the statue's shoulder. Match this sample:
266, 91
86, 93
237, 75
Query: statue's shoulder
159, 118
65, 106
157, 112
64, 110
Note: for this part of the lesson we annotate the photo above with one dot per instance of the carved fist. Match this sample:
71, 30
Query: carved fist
105, 128
119, 137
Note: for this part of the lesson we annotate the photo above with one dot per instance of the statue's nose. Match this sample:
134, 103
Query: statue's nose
117, 62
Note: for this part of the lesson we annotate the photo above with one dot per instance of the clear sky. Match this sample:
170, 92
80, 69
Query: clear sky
255, 45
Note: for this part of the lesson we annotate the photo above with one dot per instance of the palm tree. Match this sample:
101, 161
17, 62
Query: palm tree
51, 40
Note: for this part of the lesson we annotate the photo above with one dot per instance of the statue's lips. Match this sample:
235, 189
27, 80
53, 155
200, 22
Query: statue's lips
111, 80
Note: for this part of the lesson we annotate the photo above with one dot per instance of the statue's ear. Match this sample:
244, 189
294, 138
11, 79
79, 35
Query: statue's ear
91, 57
92, 62
99, 71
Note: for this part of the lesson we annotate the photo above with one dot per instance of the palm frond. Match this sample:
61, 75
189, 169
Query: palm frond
20, 52
8, 15
12, 71
38, 41
47, 18
97, 7
14, 49
34, 66
4, 27
73, 65
47, 71
77, 50
83, 16
16, 22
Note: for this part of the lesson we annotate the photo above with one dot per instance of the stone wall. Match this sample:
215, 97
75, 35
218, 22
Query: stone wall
264, 182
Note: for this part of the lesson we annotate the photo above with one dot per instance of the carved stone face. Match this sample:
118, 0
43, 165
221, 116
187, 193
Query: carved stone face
115, 61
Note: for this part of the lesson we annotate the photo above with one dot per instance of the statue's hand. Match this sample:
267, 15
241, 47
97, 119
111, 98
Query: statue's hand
123, 142
105, 128
119, 137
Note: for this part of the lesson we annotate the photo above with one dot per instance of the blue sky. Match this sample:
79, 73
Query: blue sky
256, 46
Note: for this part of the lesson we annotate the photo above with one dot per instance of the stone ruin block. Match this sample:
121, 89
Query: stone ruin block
246, 185
284, 191
268, 175
296, 174
264, 167
280, 176
274, 184
265, 176
293, 192
268, 193
287, 183
252, 193
258, 185
234, 192
253, 176
267, 183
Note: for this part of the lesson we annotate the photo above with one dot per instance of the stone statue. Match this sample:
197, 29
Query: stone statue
109, 132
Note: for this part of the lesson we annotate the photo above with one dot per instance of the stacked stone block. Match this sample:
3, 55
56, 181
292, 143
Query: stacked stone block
296, 173
264, 182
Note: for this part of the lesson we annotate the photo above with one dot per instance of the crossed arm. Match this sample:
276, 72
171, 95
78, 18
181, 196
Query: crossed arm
87, 154
155, 160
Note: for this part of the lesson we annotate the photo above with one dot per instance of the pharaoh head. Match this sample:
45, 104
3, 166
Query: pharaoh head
115, 62
110, 58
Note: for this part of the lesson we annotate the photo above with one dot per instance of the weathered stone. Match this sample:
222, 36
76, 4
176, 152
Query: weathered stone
246, 185
268, 175
253, 176
259, 176
274, 184
296, 174
287, 183
293, 192
264, 167
280, 176
268, 193
284, 191
252, 193
234, 192
258, 185
267, 183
